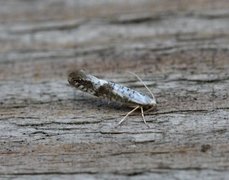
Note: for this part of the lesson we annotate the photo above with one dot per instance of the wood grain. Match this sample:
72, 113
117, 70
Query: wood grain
50, 130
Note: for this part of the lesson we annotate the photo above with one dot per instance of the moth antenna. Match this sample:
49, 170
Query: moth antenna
142, 83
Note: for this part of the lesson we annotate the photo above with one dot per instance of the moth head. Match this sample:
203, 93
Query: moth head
153, 102
152, 105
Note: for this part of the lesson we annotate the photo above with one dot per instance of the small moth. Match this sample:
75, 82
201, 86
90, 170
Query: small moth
113, 92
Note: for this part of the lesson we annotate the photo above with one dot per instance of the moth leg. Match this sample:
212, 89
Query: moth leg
123, 119
143, 117
148, 110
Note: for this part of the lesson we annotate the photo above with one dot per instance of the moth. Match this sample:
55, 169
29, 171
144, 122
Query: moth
113, 92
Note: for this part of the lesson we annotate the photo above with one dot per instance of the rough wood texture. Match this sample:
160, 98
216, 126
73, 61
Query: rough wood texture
49, 130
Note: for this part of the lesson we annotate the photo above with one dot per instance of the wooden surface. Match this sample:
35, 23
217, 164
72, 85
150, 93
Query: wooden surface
50, 130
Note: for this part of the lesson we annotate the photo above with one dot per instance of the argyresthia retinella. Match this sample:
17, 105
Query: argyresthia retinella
112, 91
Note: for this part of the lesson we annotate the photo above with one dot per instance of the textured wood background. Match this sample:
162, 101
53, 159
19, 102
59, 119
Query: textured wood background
180, 48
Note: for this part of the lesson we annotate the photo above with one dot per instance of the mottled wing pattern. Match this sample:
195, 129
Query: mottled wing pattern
130, 96
81, 81
90, 84
106, 89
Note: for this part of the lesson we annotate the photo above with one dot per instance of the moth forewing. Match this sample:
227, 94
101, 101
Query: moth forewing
133, 96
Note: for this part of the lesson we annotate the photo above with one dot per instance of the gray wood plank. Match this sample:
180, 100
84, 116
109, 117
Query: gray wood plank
49, 130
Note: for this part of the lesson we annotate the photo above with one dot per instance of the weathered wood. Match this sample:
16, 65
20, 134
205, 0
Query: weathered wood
50, 130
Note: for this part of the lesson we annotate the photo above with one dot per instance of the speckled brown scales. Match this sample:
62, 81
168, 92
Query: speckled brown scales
112, 91
81, 81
